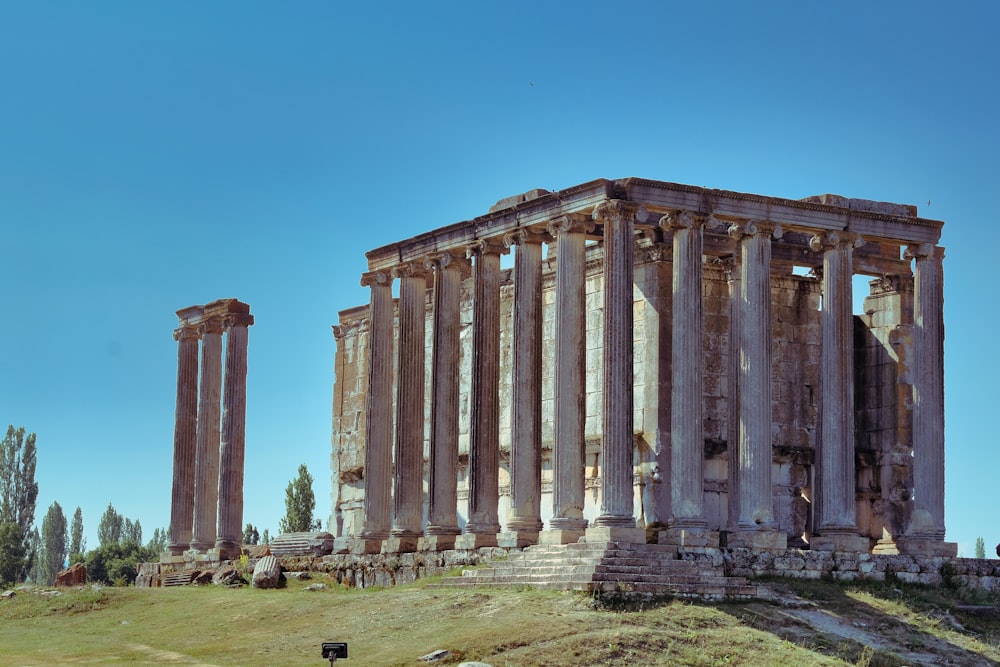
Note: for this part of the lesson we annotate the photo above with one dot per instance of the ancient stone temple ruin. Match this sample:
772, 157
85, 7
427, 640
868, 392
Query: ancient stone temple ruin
206, 507
660, 363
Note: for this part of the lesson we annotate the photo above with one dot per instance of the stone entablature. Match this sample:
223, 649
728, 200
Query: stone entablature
737, 276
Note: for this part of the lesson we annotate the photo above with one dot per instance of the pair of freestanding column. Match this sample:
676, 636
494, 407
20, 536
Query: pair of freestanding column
206, 509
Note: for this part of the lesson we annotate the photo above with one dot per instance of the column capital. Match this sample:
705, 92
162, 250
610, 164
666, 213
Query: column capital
565, 224
680, 219
216, 324
740, 230
491, 246
239, 320
830, 240
618, 209
924, 251
186, 332
408, 270
370, 278
525, 235
446, 260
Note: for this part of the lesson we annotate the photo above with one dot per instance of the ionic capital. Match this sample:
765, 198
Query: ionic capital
619, 209
216, 324
924, 251
739, 230
186, 332
409, 270
375, 278
832, 240
492, 246
446, 261
566, 224
523, 236
679, 219
239, 320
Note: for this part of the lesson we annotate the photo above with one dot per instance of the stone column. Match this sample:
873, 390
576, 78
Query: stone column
838, 530
756, 526
525, 520
185, 434
206, 489
442, 523
925, 535
484, 424
567, 523
688, 526
732, 269
617, 519
409, 472
378, 416
234, 411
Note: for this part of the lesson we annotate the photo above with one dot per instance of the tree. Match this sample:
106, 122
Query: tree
980, 548
53, 544
250, 534
18, 494
299, 504
158, 542
109, 530
13, 552
117, 562
131, 531
77, 543
265, 537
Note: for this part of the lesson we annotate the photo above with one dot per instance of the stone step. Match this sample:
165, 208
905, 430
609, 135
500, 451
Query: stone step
181, 578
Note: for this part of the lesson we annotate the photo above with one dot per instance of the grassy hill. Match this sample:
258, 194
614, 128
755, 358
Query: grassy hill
814, 623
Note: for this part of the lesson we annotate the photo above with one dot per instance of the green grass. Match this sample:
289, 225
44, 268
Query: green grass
210, 625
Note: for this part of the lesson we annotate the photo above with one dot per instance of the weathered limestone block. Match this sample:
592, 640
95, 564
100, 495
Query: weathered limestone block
317, 543
267, 573
74, 575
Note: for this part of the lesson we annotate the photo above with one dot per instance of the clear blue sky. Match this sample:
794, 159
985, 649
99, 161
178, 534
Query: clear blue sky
156, 155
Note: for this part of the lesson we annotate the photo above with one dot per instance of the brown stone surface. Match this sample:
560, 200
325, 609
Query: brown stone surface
74, 575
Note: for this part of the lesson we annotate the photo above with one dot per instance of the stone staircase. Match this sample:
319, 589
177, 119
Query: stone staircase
179, 578
608, 569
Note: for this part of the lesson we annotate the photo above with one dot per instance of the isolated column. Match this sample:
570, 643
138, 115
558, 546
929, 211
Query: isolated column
408, 496
927, 523
185, 436
484, 425
234, 411
619, 219
526, 444
838, 528
378, 409
756, 511
442, 523
687, 392
206, 490
567, 523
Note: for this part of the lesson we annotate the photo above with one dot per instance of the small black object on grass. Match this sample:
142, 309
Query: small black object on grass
334, 650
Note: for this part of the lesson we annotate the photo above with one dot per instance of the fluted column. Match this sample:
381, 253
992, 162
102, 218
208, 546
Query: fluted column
185, 434
617, 491
756, 511
442, 523
567, 522
378, 409
732, 269
687, 393
838, 529
408, 496
206, 490
484, 425
525, 518
927, 522
234, 411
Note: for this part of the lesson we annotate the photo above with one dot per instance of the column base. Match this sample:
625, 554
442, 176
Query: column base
228, 550
688, 537
560, 536
517, 539
436, 542
360, 546
923, 546
197, 556
475, 540
840, 542
600, 534
400, 545
760, 540
171, 558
